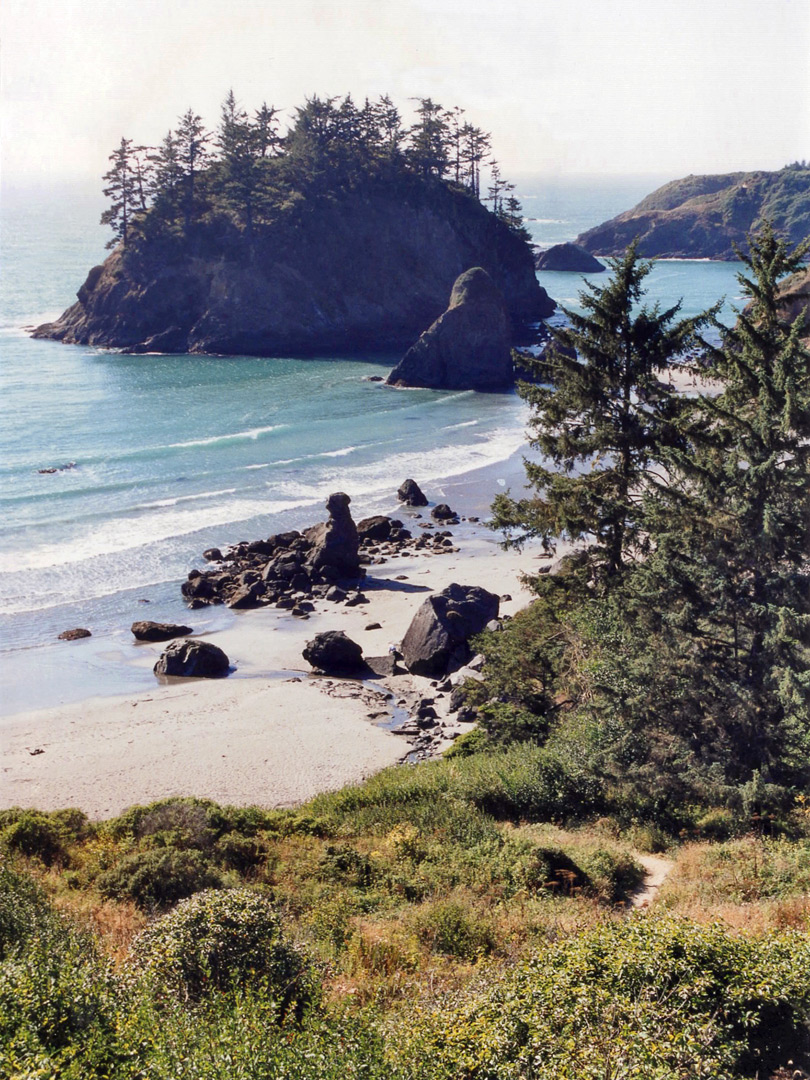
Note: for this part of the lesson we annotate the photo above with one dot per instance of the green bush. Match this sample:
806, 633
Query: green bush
219, 940
647, 999
36, 835
24, 911
455, 929
158, 878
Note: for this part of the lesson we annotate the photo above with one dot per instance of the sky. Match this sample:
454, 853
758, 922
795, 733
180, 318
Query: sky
665, 87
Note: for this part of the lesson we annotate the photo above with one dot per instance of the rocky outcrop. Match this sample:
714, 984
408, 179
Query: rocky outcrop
357, 271
568, 257
468, 347
411, 494
704, 217
193, 659
333, 653
335, 543
144, 630
437, 639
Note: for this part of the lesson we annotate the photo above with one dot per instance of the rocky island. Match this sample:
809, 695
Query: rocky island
704, 217
294, 245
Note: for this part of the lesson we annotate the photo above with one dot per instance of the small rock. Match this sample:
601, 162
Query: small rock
74, 635
213, 555
411, 494
373, 626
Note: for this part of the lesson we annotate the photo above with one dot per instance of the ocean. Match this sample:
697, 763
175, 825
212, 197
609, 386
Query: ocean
158, 458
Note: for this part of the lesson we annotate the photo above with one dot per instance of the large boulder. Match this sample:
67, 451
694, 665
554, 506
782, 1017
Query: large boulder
411, 494
436, 641
333, 653
335, 542
568, 257
193, 659
468, 347
144, 630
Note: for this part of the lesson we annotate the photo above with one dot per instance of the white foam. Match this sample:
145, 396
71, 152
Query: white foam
251, 433
159, 503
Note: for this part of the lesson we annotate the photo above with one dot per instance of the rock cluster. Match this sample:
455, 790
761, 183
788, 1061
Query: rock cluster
289, 570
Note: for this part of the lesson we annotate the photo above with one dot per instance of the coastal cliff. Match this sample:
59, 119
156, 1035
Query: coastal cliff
704, 217
352, 271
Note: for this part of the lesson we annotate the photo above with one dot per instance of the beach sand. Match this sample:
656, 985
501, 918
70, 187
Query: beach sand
270, 734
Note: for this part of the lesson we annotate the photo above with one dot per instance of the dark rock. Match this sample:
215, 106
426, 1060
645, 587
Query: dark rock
155, 631
198, 588
467, 348
172, 340
336, 595
436, 640
337, 544
248, 596
334, 653
442, 512
193, 659
411, 494
213, 555
74, 635
355, 599
568, 257
373, 626
374, 528
384, 665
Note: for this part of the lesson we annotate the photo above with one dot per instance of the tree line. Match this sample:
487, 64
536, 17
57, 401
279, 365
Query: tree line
671, 655
248, 168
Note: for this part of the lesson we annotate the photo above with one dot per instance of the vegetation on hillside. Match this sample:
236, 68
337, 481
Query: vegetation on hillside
250, 172
673, 659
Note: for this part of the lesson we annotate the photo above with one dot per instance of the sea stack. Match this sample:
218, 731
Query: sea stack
468, 347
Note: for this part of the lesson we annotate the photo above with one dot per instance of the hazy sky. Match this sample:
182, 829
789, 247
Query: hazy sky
565, 86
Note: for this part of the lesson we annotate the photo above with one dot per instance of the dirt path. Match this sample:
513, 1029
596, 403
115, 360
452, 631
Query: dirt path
656, 869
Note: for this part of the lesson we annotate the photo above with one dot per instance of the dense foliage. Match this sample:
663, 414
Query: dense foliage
251, 172
671, 658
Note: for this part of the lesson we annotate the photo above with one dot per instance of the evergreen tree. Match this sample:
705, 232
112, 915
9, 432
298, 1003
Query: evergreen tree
428, 149
732, 560
165, 177
192, 151
604, 421
122, 188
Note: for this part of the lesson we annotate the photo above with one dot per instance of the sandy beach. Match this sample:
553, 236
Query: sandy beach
270, 734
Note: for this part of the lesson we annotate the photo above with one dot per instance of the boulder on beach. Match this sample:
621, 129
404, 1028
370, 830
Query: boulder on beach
468, 347
374, 528
333, 653
442, 512
437, 639
568, 257
145, 630
193, 659
335, 542
411, 494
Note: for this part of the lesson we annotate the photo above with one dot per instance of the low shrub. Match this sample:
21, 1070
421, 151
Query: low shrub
454, 929
158, 878
218, 941
24, 911
34, 834
648, 998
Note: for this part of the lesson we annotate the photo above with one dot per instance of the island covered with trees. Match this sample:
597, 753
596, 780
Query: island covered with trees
343, 233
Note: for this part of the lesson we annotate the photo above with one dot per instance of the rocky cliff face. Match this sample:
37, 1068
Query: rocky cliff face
703, 217
368, 270
468, 346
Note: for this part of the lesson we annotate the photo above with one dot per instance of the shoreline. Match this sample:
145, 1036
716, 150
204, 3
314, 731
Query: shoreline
270, 733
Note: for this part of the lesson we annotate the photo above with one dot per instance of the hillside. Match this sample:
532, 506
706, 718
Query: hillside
703, 217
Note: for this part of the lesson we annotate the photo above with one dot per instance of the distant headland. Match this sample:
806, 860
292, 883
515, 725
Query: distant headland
342, 236
704, 217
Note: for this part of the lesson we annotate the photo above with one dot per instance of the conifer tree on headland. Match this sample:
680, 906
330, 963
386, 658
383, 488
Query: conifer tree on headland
603, 421
122, 189
192, 151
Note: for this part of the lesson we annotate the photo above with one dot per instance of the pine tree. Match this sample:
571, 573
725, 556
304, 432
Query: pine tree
428, 149
732, 566
122, 188
603, 422
165, 177
192, 141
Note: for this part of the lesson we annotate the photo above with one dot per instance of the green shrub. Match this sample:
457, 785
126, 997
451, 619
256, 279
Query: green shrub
647, 999
24, 911
455, 929
36, 835
219, 940
158, 878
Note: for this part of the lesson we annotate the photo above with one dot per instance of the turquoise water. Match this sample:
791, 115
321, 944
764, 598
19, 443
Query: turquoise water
171, 455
